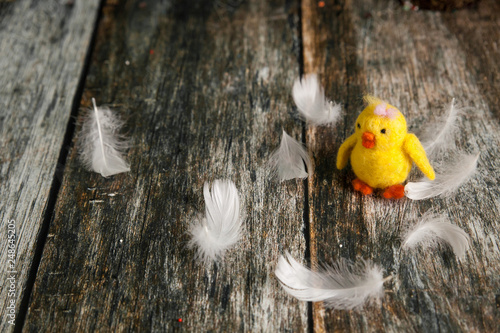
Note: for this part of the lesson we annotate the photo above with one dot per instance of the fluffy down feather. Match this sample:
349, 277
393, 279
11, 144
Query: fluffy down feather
101, 146
221, 226
435, 144
341, 286
287, 162
433, 229
446, 182
310, 99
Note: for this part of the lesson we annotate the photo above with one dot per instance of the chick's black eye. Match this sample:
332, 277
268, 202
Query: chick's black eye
359, 126
382, 131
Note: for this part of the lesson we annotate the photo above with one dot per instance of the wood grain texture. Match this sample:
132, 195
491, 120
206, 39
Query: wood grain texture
205, 90
43, 46
477, 31
412, 60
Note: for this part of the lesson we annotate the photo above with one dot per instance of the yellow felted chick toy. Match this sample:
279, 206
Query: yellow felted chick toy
381, 150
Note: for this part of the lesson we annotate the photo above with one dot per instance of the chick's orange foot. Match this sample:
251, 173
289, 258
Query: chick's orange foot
362, 187
394, 192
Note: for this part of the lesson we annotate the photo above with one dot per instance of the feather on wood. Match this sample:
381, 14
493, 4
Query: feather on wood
102, 147
343, 285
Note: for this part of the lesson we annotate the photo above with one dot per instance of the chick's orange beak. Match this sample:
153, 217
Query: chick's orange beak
368, 140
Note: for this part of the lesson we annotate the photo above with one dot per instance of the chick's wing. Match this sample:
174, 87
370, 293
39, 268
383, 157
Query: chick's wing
416, 152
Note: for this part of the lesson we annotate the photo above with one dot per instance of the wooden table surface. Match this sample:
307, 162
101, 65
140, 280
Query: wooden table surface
204, 87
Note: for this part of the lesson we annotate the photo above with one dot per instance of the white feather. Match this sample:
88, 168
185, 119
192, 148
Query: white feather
221, 226
341, 286
102, 147
446, 182
435, 144
287, 162
435, 229
310, 99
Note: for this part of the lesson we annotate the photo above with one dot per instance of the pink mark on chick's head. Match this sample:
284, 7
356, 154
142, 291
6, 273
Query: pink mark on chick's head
383, 111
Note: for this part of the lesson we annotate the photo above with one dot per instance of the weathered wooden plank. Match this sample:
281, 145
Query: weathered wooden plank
477, 30
43, 46
412, 60
205, 90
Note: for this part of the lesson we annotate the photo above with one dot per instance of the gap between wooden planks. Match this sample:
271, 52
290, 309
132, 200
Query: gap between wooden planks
43, 48
205, 88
